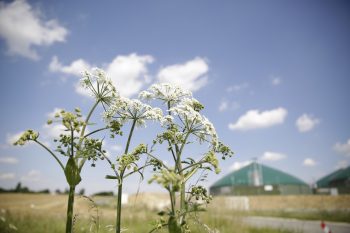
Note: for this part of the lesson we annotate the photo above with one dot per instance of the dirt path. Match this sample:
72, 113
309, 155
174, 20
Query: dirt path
296, 225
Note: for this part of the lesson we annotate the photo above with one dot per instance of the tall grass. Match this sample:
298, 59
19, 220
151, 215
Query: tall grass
136, 220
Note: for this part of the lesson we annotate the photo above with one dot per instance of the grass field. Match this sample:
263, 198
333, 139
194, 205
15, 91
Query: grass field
305, 207
40, 213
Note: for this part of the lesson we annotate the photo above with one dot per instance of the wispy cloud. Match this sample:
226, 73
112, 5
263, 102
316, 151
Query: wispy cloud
306, 123
342, 164
191, 75
275, 80
237, 87
273, 156
308, 162
343, 148
7, 176
238, 165
226, 105
32, 176
223, 105
254, 119
8, 160
23, 27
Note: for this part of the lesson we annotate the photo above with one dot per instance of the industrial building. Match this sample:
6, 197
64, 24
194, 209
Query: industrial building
258, 179
337, 182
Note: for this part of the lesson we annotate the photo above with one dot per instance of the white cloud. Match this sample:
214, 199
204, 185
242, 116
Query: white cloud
306, 123
32, 176
238, 165
275, 81
116, 148
223, 106
52, 114
273, 156
7, 176
191, 75
128, 73
342, 164
308, 162
237, 87
110, 148
343, 148
22, 27
8, 160
53, 131
75, 68
253, 119
226, 105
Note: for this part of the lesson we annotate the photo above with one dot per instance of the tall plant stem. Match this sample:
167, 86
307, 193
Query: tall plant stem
120, 182
69, 223
119, 206
83, 131
88, 118
183, 207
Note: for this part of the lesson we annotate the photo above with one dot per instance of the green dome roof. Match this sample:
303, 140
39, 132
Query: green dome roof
269, 176
342, 174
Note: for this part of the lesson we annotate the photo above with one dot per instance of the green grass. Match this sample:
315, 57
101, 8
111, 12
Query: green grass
326, 215
134, 223
46, 213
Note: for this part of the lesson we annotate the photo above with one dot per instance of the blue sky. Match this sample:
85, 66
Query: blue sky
273, 76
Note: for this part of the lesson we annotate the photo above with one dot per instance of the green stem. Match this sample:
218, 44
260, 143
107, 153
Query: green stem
130, 135
160, 161
120, 182
183, 207
83, 131
119, 206
172, 201
69, 223
95, 131
72, 143
88, 117
45, 147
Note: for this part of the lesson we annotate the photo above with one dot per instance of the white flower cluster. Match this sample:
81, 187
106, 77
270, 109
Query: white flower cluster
166, 92
100, 86
191, 118
185, 107
126, 109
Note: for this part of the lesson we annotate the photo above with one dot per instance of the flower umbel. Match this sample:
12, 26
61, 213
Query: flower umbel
28, 135
168, 93
101, 87
125, 109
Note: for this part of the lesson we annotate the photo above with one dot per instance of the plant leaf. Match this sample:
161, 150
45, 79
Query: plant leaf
72, 172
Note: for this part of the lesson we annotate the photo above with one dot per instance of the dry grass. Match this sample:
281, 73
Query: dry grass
306, 202
43, 213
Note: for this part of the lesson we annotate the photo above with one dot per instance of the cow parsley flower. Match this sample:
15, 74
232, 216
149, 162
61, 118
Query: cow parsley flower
126, 109
100, 86
188, 112
168, 93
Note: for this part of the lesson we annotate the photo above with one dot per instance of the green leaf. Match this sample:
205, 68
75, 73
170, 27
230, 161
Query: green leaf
72, 172
111, 177
173, 227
